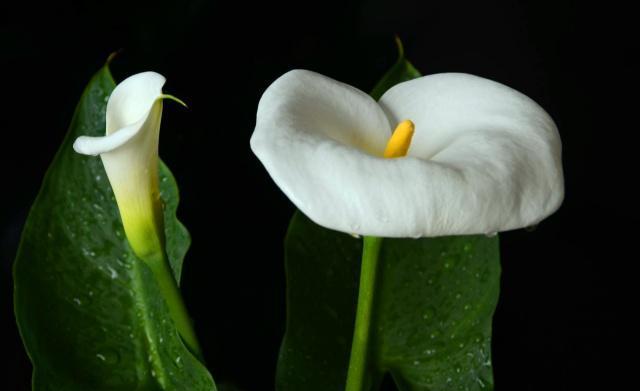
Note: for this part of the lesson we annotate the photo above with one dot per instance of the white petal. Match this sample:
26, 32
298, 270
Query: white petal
306, 124
473, 175
129, 153
127, 110
131, 100
303, 104
498, 153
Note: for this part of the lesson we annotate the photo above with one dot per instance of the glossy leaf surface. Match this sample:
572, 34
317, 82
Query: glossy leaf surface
90, 313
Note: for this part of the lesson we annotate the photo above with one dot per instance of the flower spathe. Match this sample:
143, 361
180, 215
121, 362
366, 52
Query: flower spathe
483, 157
129, 152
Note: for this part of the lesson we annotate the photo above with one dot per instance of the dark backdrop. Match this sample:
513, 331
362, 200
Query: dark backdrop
565, 287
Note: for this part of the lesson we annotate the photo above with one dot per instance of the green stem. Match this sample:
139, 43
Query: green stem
359, 355
171, 293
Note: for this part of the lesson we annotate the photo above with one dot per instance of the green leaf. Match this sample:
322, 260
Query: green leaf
401, 71
432, 313
90, 313
432, 310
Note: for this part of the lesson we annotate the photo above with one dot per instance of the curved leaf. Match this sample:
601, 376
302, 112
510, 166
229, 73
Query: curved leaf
90, 313
432, 313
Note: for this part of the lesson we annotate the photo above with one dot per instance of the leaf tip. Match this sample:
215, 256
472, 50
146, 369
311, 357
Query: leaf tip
400, 46
112, 56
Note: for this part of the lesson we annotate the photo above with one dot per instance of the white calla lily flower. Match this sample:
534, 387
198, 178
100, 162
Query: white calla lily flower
483, 157
129, 152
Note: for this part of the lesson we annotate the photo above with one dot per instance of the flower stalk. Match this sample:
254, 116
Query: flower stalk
161, 269
397, 147
359, 358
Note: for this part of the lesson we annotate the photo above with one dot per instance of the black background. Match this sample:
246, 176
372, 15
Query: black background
566, 287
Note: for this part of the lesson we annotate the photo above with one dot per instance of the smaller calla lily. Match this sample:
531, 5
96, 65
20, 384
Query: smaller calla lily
480, 156
129, 152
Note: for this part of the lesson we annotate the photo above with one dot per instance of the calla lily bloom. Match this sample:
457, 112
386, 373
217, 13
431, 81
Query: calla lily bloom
129, 152
480, 156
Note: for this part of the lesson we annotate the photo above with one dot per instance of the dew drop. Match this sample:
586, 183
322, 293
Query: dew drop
112, 273
428, 313
178, 362
108, 356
